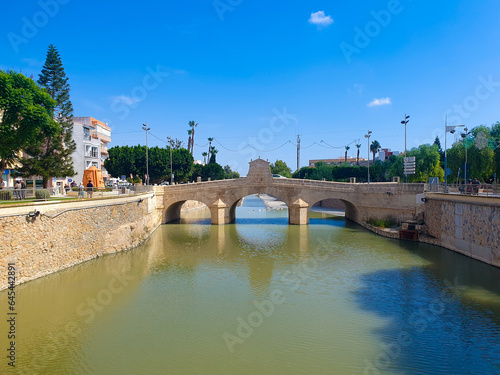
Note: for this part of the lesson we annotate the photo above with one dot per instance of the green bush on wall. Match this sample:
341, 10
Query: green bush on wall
387, 222
5, 195
42, 194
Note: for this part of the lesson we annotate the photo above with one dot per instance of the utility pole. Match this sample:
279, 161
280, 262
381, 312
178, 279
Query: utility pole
298, 152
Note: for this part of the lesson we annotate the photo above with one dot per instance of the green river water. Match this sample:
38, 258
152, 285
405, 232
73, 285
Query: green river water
261, 297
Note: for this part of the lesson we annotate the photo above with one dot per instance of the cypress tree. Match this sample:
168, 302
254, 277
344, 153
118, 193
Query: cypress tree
50, 156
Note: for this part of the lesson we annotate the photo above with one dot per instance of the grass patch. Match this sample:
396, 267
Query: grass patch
387, 222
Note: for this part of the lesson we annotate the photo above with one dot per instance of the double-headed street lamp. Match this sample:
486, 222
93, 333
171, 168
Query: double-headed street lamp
405, 122
447, 129
145, 127
367, 136
464, 136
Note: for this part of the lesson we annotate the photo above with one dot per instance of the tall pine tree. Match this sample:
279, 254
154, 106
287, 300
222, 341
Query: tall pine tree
50, 156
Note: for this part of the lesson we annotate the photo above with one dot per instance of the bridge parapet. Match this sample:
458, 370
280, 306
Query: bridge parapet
362, 201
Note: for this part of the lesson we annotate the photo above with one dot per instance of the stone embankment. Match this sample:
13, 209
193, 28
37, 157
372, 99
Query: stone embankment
65, 234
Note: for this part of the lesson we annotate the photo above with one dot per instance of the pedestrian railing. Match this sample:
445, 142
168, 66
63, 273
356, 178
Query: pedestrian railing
29, 194
464, 189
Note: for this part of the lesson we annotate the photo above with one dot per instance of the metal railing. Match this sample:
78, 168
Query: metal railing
461, 189
12, 195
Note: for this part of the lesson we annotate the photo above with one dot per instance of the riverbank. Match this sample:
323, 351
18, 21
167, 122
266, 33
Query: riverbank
46, 237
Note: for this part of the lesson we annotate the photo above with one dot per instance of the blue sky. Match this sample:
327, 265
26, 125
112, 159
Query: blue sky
258, 72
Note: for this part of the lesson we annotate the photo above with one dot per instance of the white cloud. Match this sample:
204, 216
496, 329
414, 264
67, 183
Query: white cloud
378, 102
127, 100
320, 19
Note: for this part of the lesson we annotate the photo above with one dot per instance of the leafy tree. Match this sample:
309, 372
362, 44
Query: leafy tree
204, 154
427, 163
229, 174
437, 142
174, 143
213, 171
50, 154
25, 113
281, 168
374, 148
126, 160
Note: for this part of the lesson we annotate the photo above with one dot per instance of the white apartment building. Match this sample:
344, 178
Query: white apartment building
92, 138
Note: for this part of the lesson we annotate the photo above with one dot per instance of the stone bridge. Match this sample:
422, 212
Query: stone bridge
362, 201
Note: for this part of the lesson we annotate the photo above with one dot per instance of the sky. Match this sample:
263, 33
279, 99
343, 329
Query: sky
254, 74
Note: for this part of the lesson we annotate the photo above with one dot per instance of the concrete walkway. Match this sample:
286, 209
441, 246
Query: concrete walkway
275, 204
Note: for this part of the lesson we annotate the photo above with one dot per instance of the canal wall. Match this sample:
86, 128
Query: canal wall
71, 232
467, 225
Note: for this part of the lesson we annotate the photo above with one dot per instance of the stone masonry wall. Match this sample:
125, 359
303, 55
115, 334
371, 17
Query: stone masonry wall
468, 225
45, 245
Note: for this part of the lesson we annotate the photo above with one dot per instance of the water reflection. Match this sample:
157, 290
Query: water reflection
353, 303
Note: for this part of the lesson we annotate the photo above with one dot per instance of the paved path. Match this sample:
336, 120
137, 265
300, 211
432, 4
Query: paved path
274, 204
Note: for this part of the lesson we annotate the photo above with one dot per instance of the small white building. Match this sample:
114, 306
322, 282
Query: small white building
92, 138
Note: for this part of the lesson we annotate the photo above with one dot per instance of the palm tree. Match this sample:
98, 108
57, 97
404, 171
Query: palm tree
346, 149
374, 148
205, 154
190, 140
209, 147
358, 145
212, 158
193, 125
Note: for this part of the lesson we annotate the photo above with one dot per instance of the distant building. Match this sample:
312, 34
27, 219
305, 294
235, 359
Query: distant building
351, 161
385, 153
92, 138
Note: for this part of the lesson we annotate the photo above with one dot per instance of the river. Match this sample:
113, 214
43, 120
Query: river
261, 297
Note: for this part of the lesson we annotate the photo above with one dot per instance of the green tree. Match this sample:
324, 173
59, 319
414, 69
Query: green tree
374, 148
50, 155
427, 163
204, 154
25, 113
193, 125
281, 168
229, 174
358, 146
213, 156
346, 149
213, 171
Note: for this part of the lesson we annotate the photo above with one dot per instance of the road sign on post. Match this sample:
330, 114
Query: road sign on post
409, 165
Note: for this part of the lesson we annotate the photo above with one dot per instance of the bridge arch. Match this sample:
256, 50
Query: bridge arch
172, 209
238, 196
351, 211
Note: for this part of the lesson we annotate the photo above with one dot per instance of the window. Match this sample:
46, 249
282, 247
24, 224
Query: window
95, 153
86, 134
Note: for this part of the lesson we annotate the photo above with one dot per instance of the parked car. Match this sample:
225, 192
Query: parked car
278, 176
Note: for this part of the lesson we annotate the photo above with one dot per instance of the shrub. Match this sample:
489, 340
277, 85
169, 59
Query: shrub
42, 194
5, 195
387, 222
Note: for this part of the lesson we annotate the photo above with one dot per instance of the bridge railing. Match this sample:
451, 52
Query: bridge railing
468, 189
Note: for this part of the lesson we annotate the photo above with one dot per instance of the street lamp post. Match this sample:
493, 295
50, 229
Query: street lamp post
171, 170
405, 122
367, 136
145, 127
447, 129
464, 136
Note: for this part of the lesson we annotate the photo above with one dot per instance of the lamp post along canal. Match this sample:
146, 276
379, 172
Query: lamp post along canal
145, 127
466, 141
367, 136
405, 122
447, 129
